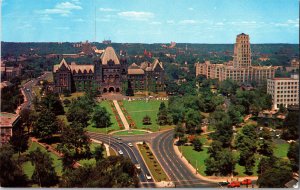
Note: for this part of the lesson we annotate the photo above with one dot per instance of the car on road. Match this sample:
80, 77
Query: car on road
28, 90
223, 183
118, 138
246, 182
138, 166
234, 184
148, 176
120, 152
130, 144
120, 142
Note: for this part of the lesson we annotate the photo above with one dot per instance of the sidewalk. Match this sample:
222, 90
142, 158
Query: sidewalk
122, 116
210, 178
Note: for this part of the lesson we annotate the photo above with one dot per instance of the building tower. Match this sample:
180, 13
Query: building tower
242, 51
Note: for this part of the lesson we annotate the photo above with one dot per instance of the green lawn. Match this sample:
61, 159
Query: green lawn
137, 109
73, 95
29, 168
114, 125
132, 132
91, 161
192, 155
281, 150
153, 165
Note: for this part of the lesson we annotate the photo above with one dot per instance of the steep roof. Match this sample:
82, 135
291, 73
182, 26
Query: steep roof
109, 54
155, 63
74, 67
133, 66
136, 72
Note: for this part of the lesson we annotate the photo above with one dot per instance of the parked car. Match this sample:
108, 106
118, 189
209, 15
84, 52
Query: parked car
246, 182
234, 184
130, 144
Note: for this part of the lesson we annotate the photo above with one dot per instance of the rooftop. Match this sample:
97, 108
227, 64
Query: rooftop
7, 119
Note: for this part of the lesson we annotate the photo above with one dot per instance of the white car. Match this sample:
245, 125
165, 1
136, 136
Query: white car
130, 144
138, 166
148, 177
120, 152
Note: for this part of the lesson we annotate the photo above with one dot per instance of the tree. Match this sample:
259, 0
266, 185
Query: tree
163, 116
197, 144
228, 87
101, 117
114, 171
265, 148
234, 114
98, 153
291, 126
273, 172
19, 139
129, 91
46, 124
192, 120
11, 174
75, 143
146, 120
293, 155
52, 102
179, 132
44, 173
223, 132
79, 115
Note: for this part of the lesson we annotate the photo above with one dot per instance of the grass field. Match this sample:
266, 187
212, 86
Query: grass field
132, 132
91, 161
154, 167
29, 168
281, 150
138, 109
73, 95
114, 125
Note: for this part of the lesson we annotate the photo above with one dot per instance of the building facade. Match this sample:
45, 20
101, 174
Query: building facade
7, 122
240, 69
284, 91
8, 73
110, 74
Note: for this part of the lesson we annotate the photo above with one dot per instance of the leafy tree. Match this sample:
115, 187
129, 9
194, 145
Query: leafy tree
44, 173
192, 120
228, 87
197, 144
163, 116
79, 115
129, 91
147, 120
101, 117
74, 143
235, 115
19, 139
293, 155
179, 132
291, 126
98, 154
11, 174
67, 102
45, 125
273, 172
265, 148
114, 171
223, 132
52, 102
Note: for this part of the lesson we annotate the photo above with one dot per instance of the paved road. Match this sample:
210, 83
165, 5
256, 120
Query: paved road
130, 152
27, 89
162, 146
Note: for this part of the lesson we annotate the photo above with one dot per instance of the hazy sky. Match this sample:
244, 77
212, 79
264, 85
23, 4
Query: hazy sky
150, 21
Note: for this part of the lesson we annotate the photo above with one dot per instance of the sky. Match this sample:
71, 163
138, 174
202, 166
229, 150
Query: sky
150, 21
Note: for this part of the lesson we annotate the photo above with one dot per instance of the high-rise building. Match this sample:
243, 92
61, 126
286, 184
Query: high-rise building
242, 51
284, 91
240, 69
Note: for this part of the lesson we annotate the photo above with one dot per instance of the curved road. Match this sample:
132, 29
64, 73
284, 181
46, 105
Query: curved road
130, 152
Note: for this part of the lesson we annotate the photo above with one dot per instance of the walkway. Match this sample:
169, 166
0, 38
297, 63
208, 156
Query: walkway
122, 116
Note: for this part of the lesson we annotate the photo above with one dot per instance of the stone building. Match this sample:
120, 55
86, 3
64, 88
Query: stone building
240, 69
8, 73
284, 91
110, 74
7, 122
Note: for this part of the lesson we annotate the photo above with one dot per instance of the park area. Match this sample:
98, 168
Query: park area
196, 158
136, 110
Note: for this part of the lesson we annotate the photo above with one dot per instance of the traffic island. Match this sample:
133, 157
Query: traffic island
154, 167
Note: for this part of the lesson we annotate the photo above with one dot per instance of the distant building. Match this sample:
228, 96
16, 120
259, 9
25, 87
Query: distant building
8, 73
240, 69
294, 66
111, 74
7, 122
284, 91
5, 84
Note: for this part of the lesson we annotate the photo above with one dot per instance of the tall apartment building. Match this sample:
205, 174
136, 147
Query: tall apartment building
284, 91
240, 69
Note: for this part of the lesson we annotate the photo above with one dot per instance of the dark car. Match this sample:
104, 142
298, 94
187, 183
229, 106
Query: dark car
223, 183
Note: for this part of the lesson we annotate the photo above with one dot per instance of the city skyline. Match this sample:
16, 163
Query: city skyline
217, 21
